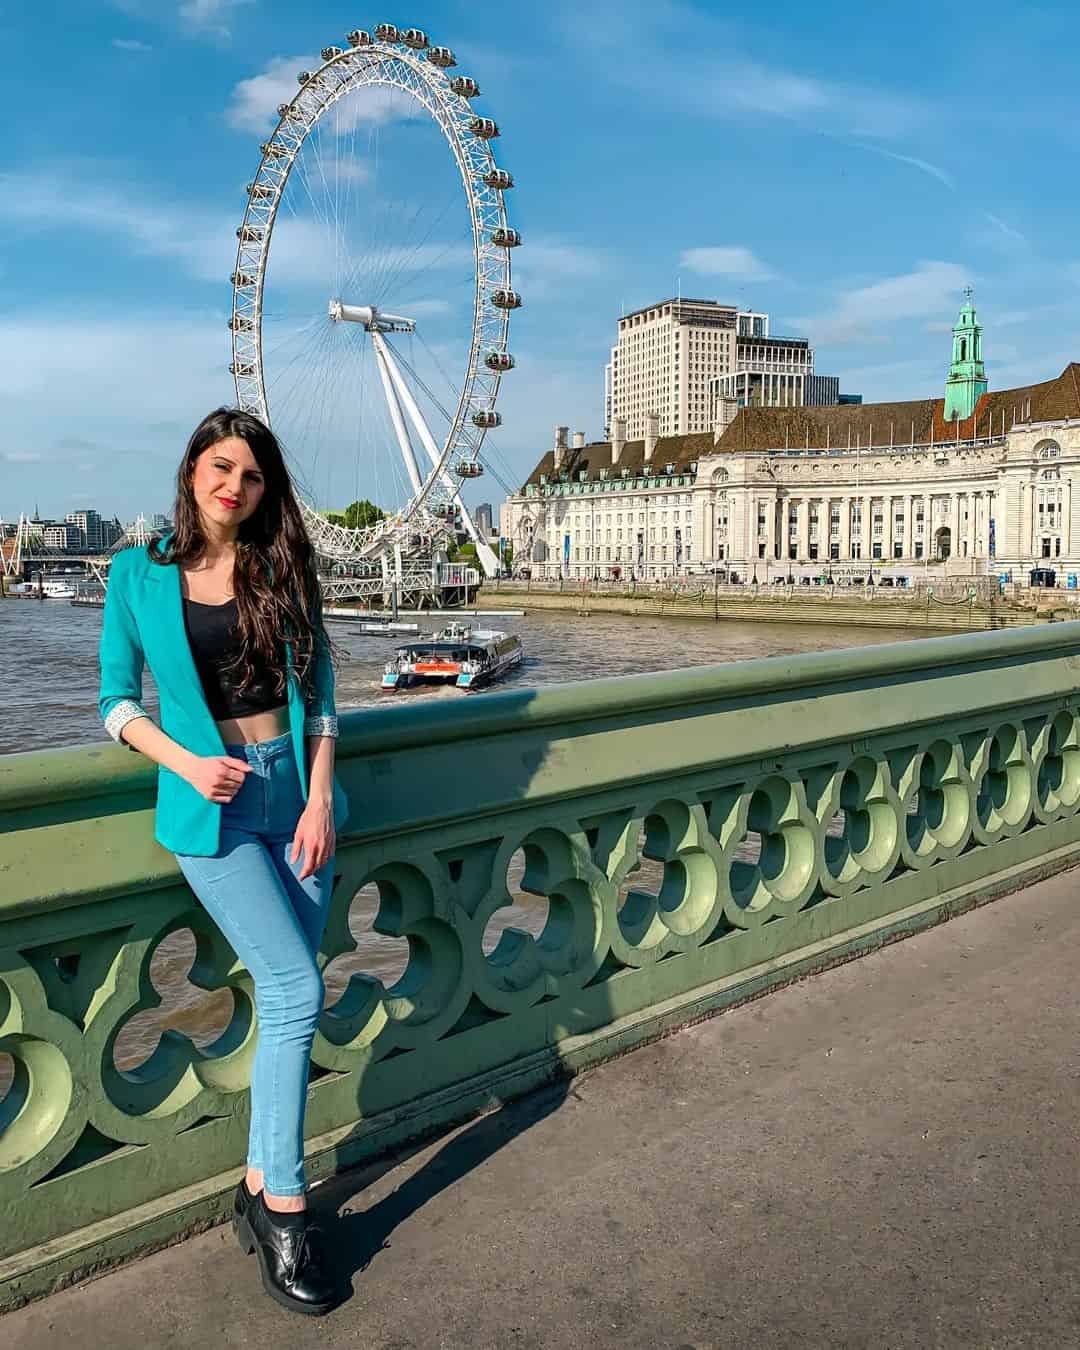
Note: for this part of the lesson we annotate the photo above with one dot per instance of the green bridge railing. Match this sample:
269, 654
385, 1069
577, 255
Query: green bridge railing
690, 839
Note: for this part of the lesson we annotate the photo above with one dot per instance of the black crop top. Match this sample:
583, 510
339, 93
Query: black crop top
214, 637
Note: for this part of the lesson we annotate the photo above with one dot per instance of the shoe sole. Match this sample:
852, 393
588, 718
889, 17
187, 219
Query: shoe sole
246, 1238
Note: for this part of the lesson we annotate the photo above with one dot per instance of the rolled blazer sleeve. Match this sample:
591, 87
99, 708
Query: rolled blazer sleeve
121, 659
320, 713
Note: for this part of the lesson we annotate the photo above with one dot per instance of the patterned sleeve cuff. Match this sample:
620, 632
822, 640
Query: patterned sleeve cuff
121, 714
320, 726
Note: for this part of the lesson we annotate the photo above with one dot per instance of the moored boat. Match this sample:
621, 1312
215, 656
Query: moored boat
459, 655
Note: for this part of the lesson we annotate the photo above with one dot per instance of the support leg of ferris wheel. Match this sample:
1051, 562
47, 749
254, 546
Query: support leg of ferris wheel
484, 553
400, 429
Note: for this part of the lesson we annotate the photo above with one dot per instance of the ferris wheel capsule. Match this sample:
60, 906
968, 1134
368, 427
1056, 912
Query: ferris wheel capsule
442, 57
466, 87
259, 191
290, 112
415, 38
506, 299
304, 77
499, 362
241, 368
499, 179
486, 418
358, 38
240, 324
242, 279
504, 237
386, 32
272, 150
486, 128
329, 53
249, 234
469, 468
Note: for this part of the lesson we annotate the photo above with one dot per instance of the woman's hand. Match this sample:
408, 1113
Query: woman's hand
315, 835
218, 777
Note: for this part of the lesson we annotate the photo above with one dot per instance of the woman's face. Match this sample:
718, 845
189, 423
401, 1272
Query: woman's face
227, 482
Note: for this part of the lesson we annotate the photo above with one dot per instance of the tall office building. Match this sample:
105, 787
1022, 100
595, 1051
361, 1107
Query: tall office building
484, 520
665, 358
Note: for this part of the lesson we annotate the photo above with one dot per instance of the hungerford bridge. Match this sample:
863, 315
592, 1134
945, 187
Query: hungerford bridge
402, 580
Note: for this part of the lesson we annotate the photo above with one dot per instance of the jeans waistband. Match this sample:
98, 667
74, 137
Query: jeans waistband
260, 751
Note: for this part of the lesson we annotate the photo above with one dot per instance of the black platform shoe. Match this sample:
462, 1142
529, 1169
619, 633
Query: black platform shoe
242, 1202
291, 1259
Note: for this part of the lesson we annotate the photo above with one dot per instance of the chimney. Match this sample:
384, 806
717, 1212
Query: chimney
652, 434
618, 438
726, 411
579, 440
559, 453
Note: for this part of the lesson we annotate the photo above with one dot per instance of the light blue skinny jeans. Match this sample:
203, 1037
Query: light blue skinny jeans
275, 924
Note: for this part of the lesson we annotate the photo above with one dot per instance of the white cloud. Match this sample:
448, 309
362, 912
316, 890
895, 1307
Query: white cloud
728, 260
254, 102
203, 240
209, 16
23, 456
863, 313
719, 77
131, 45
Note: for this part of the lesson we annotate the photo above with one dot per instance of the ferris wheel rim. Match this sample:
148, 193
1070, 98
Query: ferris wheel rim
374, 65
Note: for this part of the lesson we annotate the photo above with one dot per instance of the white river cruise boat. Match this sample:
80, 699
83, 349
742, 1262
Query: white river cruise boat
458, 655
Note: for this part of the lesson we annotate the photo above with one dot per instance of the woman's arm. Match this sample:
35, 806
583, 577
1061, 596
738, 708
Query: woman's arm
122, 662
315, 830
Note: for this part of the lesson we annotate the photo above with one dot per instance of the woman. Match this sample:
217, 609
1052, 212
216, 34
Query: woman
226, 612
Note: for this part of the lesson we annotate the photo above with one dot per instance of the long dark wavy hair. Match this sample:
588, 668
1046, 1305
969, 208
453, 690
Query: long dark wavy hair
274, 578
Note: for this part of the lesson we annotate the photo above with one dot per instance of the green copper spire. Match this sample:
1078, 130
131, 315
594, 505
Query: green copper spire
967, 374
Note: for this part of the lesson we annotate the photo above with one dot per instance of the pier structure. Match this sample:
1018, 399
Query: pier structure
692, 840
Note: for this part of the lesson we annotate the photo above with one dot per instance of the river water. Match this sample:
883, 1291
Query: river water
48, 697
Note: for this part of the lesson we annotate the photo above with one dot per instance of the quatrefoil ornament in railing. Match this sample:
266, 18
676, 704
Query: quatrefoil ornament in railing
44, 1111
684, 905
1004, 778
370, 1022
555, 866
178, 1083
1056, 756
859, 814
939, 802
770, 850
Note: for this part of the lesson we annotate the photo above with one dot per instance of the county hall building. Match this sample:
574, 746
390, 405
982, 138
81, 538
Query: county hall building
975, 481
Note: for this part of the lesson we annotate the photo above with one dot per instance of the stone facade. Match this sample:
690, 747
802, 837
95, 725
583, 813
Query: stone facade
788, 491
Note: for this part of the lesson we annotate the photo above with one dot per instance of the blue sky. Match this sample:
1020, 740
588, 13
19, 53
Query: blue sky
846, 169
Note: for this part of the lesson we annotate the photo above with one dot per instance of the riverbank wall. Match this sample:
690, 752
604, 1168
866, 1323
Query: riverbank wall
835, 606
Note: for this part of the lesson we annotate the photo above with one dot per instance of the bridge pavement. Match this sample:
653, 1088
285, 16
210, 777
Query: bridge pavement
887, 1155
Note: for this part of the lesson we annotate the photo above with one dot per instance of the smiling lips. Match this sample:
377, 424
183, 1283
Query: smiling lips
230, 503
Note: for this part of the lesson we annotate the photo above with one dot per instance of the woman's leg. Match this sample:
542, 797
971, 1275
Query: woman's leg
242, 890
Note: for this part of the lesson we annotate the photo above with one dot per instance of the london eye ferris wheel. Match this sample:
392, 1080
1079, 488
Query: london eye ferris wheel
372, 293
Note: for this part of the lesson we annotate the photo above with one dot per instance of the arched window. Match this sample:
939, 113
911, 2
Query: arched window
1048, 450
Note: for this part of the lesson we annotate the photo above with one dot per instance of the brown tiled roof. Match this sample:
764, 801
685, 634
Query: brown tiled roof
681, 451
877, 424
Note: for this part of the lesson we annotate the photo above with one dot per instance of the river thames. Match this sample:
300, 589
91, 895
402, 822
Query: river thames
48, 698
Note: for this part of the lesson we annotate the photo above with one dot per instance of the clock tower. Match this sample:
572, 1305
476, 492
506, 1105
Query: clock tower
967, 374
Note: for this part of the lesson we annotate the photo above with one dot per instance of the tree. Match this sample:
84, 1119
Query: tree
358, 516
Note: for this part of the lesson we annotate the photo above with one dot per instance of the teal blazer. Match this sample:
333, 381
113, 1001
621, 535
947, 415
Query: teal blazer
144, 626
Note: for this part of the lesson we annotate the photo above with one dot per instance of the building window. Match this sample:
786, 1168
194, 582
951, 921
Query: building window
877, 551
918, 548
834, 552
898, 550
813, 550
